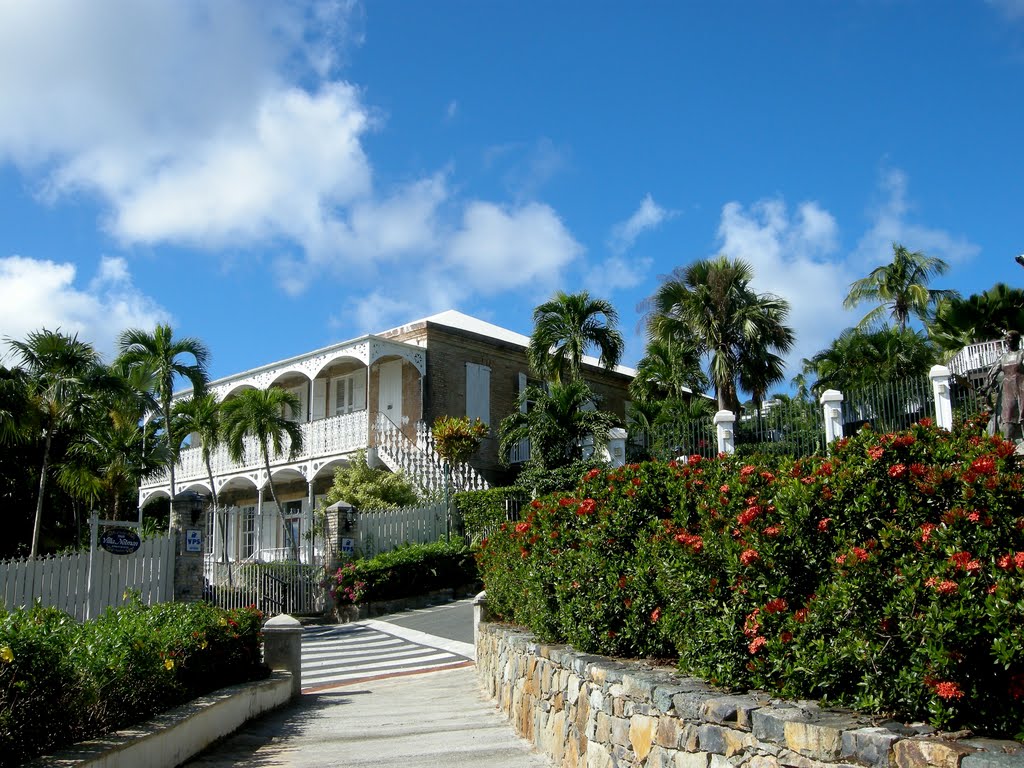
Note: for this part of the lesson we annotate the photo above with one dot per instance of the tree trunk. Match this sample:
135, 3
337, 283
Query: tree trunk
37, 527
288, 533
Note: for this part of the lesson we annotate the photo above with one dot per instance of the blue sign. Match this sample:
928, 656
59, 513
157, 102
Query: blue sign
120, 541
348, 546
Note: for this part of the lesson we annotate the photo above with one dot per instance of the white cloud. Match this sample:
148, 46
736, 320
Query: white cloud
1014, 9
648, 216
890, 225
792, 257
451, 110
498, 249
616, 273
37, 294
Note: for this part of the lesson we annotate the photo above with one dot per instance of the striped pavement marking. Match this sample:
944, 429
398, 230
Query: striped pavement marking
336, 655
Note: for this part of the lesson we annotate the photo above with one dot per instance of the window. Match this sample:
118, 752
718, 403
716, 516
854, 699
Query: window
478, 392
300, 392
248, 532
348, 394
292, 514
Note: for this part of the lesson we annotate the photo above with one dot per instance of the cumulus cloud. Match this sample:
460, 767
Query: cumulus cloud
648, 216
794, 255
498, 249
616, 273
890, 225
37, 294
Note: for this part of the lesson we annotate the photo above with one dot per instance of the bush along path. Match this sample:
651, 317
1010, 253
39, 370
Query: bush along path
887, 576
62, 682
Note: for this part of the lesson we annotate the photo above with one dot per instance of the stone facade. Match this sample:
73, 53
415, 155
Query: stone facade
594, 712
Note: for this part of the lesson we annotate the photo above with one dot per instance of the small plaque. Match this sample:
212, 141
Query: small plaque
348, 546
193, 540
120, 541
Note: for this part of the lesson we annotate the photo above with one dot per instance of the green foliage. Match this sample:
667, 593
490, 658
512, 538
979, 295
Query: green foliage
62, 682
456, 438
412, 569
538, 480
857, 359
888, 576
565, 327
366, 488
484, 510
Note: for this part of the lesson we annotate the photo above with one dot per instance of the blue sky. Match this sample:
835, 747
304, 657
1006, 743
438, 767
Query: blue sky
273, 178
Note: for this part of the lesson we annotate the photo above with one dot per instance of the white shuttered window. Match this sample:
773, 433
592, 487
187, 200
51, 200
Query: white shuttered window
478, 392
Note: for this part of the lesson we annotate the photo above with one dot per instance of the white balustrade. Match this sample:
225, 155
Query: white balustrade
976, 357
323, 437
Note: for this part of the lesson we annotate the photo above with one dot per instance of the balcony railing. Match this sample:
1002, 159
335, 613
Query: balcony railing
976, 357
324, 437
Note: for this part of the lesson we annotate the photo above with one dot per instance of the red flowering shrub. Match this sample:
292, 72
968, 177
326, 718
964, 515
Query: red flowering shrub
888, 576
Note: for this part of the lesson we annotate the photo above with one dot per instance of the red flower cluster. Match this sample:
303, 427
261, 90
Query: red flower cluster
756, 645
587, 507
984, 465
748, 515
749, 556
591, 475
963, 561
693, 541
777, 605
823, 524
747, 471
945, 587
1011, 561
856, 555
897, 470
656, 614
522, 527
875, 452
945, 690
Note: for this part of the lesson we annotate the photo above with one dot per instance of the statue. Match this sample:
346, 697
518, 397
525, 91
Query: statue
1006, 377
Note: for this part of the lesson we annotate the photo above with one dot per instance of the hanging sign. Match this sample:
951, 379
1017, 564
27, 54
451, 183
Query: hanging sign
120, 541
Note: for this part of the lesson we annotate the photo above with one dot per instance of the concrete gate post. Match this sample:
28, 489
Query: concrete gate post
282, 648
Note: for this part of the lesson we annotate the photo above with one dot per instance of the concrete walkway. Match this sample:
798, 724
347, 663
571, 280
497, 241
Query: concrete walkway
425, 720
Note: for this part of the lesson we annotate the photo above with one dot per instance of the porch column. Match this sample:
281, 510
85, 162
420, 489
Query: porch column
258, 551
310, 517
939, 374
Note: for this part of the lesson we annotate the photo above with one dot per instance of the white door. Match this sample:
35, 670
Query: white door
390, 399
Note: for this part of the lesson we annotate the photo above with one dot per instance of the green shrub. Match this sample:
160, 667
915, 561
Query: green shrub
412, 569
61, 682
483, 511
888, 576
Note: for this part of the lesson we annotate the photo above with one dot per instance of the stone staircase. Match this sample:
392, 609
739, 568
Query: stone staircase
420, 461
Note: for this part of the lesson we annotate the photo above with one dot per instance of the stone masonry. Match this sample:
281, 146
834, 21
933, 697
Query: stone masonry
594, 712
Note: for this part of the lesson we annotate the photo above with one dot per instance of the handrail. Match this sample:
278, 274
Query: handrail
420, 459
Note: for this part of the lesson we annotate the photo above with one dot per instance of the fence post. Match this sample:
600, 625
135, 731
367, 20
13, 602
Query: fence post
724, 421
282, 648
939, 374
830, 400
479, 615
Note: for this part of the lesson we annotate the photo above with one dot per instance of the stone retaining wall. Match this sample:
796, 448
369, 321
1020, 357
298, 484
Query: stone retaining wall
597, 712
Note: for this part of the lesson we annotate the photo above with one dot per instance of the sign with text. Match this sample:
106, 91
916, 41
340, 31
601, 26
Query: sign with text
193, 540
348, 546
120, 541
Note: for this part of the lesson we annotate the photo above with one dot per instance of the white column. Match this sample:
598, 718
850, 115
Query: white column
310, 515
724, 421
259, 523
830, 400
939, 374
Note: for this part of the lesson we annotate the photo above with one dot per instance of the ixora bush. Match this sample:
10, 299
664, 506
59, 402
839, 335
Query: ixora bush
888, 576
413, 569
62, 682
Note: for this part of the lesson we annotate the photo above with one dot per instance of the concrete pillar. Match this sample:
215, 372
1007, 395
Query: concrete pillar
830, 400
479, 614
282, 648
725, 421
939, 374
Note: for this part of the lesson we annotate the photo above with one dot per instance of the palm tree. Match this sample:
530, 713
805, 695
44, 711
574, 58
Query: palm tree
900, 288
711, 305
260, 414
980, 317
200, 415
557, 421
64, 377
161, 355
856, 359
565, 327
15, 406
669, 368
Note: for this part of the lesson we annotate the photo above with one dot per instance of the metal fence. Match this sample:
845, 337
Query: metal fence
888, 407
273, 587
687, 437
781, 428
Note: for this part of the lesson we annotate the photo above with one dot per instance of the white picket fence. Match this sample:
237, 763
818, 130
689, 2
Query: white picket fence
382, 530
62, 581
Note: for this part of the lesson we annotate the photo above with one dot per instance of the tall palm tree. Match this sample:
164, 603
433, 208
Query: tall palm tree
200, 415
65, 377
900, 288
260, 414
164, 357
15, 406
565, 327
558, 420
711, 305
857, 359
